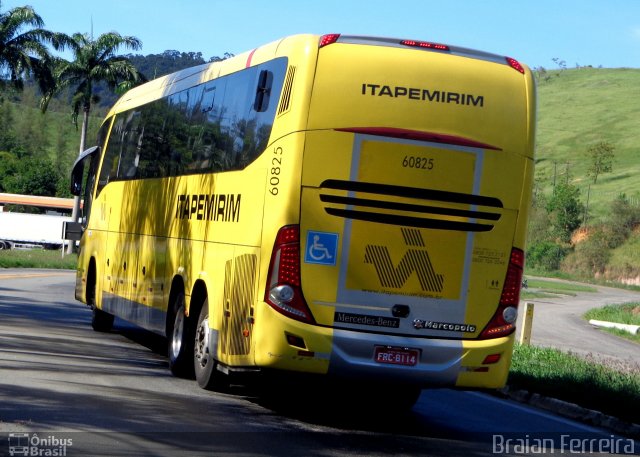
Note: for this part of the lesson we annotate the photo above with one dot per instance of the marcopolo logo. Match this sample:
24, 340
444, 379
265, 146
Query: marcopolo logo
25, 444
416, 259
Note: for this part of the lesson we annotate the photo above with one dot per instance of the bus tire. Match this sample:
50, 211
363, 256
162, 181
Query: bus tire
204, 362
180, 340
101, 321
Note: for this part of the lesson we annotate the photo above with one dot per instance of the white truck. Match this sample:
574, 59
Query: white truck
28, 231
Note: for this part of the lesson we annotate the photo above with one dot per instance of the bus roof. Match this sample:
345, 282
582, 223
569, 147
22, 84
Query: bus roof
174, 82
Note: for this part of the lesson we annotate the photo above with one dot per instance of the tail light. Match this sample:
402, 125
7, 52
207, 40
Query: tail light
284, 292
503, 322
328, 39
425, 45
513, 63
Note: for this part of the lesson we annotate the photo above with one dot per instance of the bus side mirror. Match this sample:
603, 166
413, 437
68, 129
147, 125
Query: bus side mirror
77, 172
76, 178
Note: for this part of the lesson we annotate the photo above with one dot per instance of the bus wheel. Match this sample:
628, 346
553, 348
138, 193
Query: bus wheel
181, 341
100, 321
207, 375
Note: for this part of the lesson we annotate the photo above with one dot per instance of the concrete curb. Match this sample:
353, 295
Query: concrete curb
633, 329
573, 411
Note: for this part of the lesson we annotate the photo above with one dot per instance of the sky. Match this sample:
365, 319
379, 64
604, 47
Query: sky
579, 32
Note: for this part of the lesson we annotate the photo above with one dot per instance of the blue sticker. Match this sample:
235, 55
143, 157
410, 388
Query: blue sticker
322, 248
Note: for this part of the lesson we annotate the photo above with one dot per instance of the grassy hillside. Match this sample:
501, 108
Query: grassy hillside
580, 107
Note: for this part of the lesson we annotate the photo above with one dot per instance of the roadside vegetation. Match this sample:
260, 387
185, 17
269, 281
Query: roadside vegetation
540, 288
585, 215
567, 377
628, 313
37, 258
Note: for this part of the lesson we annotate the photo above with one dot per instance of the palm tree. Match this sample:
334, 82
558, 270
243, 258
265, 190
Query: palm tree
23, 48
94, 61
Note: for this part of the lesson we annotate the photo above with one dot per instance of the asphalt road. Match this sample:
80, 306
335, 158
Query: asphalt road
67, 389
558, 323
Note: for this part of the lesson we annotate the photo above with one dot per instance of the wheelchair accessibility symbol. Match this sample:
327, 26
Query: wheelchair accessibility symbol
322, 248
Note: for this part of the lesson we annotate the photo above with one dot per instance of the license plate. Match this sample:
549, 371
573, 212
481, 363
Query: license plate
397, 356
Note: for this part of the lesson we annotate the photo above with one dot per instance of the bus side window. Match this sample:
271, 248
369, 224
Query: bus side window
111, 155
221, 125
263, 91
130, 146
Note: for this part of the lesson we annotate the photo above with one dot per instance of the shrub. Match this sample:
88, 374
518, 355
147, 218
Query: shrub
546, 255
590, 257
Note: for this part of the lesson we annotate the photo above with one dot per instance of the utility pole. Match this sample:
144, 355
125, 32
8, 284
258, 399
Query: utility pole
586, 209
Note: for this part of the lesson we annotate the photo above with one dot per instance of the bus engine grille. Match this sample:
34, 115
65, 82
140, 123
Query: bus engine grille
237, 322
455, 211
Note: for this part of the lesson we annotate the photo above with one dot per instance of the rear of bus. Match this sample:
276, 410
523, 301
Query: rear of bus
416, 180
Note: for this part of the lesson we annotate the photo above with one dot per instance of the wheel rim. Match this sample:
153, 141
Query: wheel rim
178, 329
202, 343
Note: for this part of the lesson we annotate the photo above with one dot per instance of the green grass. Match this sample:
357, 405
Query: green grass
567, 276
577, 108
567, 377
628, 313
560, 286
37, 258
557, 274
624, 259
539, 288
529, 295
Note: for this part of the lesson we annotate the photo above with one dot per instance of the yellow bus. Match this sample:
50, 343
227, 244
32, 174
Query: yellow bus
346, 206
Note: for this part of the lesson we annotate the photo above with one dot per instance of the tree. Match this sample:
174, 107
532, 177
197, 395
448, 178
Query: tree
33, 177
546, 255
8, 166
601, 155
23, 48
592, 255
8, 139
94, 61
564, 210
623, 220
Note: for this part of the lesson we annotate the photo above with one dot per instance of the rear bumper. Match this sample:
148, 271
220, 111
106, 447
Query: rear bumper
351, 355
452, 363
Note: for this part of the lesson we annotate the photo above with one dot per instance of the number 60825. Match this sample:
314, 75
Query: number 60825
422, 163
